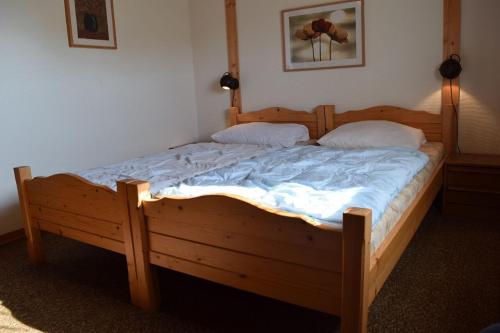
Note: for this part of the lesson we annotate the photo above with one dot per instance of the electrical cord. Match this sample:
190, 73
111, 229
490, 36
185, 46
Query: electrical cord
455, 111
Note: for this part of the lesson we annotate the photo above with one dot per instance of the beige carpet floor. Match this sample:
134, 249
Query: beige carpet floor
448, 280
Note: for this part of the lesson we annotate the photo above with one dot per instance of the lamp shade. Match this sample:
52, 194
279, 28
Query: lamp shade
451, 67
228, 82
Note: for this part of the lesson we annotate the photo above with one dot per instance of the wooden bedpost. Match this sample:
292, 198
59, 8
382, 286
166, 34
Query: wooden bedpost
451, 45
233, 115
121, 189
147, 296
33, 239
319, 111
233, 56
356, 235
329, 118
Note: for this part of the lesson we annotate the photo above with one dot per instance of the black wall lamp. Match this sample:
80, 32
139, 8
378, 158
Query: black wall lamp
228, 82
450, 69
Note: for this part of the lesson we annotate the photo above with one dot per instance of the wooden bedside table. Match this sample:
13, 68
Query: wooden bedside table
472, 186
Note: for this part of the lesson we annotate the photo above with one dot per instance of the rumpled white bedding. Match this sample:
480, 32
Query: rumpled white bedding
173, 166
319, 182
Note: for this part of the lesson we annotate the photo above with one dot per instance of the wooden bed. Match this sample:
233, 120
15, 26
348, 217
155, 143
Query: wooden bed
233, 241
239, 243
72, 207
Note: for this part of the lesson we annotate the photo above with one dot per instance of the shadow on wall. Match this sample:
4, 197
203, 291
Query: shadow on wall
479, 123
10, 215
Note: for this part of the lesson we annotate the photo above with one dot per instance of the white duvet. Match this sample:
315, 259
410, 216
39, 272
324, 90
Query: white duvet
175, 165
319, 182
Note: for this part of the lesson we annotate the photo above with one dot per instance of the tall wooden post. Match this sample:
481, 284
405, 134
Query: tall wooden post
451, 45
232, 49
148, 297
356, 237
33, 239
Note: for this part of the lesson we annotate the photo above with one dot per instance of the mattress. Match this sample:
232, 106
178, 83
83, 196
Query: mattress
404, 199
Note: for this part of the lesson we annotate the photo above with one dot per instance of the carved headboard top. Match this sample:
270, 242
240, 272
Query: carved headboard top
429, 123
314, 121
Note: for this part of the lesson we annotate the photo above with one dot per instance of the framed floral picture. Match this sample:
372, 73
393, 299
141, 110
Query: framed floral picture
90, 23
323, 36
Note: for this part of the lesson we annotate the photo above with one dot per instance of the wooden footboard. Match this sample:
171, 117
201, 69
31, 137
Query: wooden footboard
70, 206
229, 241
242, 244
276, 256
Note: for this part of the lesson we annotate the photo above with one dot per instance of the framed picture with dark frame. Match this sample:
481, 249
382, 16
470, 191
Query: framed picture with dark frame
330, 35
91, 23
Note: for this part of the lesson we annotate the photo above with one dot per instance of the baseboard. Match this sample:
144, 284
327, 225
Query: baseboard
11, 236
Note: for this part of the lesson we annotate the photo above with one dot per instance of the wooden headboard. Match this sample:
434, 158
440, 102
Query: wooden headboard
314, 121
430, 123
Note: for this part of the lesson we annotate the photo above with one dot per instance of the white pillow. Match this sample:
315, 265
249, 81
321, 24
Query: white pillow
373, 134
282, 135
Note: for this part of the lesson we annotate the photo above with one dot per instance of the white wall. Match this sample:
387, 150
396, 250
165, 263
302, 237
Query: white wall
68, 108
208, 30
403, 51
479, 127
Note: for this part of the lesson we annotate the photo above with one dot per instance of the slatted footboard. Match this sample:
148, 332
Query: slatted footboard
230, 241
70, 206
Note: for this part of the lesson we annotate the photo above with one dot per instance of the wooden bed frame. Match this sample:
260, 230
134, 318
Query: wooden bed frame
72, 207
239, 243
230, 240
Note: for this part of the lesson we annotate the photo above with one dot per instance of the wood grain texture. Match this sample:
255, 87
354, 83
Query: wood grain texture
472, 187
230, 241
429, 123
147, 296
315, 121
486, 179
128, 242
72, 193
79, 222
356, 238
72, 207
451, 45
81, 236
212, 220
233, 55
308, 294
480, 160
33, 240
